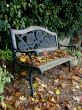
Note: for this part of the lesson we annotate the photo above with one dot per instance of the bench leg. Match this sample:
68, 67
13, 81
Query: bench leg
30, 82
69, 66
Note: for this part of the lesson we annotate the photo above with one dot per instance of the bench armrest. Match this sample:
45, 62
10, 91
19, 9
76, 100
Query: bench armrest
69, 46
28, 53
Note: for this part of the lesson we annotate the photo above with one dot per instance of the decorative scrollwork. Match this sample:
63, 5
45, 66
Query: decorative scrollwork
36, 40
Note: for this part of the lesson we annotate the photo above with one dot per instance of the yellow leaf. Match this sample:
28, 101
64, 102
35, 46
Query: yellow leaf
57, 92
37, 108
56, 80
33, 99
23, 59
3, 104
35, 85
79, 108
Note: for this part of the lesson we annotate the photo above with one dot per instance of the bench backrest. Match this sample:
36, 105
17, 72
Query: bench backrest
34, 38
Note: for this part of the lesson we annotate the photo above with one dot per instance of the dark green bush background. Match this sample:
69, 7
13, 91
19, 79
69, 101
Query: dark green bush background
62, 16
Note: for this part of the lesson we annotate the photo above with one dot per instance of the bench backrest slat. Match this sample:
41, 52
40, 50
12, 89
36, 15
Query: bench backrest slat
34, 38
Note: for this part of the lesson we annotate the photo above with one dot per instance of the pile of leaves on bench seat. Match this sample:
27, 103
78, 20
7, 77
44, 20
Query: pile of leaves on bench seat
44, 57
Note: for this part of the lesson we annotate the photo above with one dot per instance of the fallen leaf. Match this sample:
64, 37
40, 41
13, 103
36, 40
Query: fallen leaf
33, 99
17, 103
56, 80
79, 108
81, 99
37, 108
51, 92
76, 98
3, 104
44, 85
81, 84
75, 84
22, 98
53, 100
20, 107
63, 85
75, 77
74, 108
18, 94
35, 85
57, 91
10, 99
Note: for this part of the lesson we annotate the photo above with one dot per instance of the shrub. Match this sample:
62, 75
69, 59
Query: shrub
5, 77
62, 16
5, 55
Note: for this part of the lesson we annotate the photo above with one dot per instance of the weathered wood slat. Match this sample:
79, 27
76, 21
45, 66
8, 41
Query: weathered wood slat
54, 63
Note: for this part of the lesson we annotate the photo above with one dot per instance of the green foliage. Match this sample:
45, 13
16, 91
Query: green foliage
6, 54
61, 16
5, 78
76, 52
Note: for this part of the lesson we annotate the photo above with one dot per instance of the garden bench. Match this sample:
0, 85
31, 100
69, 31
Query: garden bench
35, 40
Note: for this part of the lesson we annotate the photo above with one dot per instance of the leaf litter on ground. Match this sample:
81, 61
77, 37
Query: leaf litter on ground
55, 90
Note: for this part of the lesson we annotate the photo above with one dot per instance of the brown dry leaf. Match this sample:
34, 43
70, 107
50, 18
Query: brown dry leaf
24, 73
20, 107
51, 92
37, 79
10, 99
17, 103
9, 106
22, 98
81, 99
75, 78
76, 85
52, 100
74, 108
63, 85
18, 94
76, 98
10, 91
